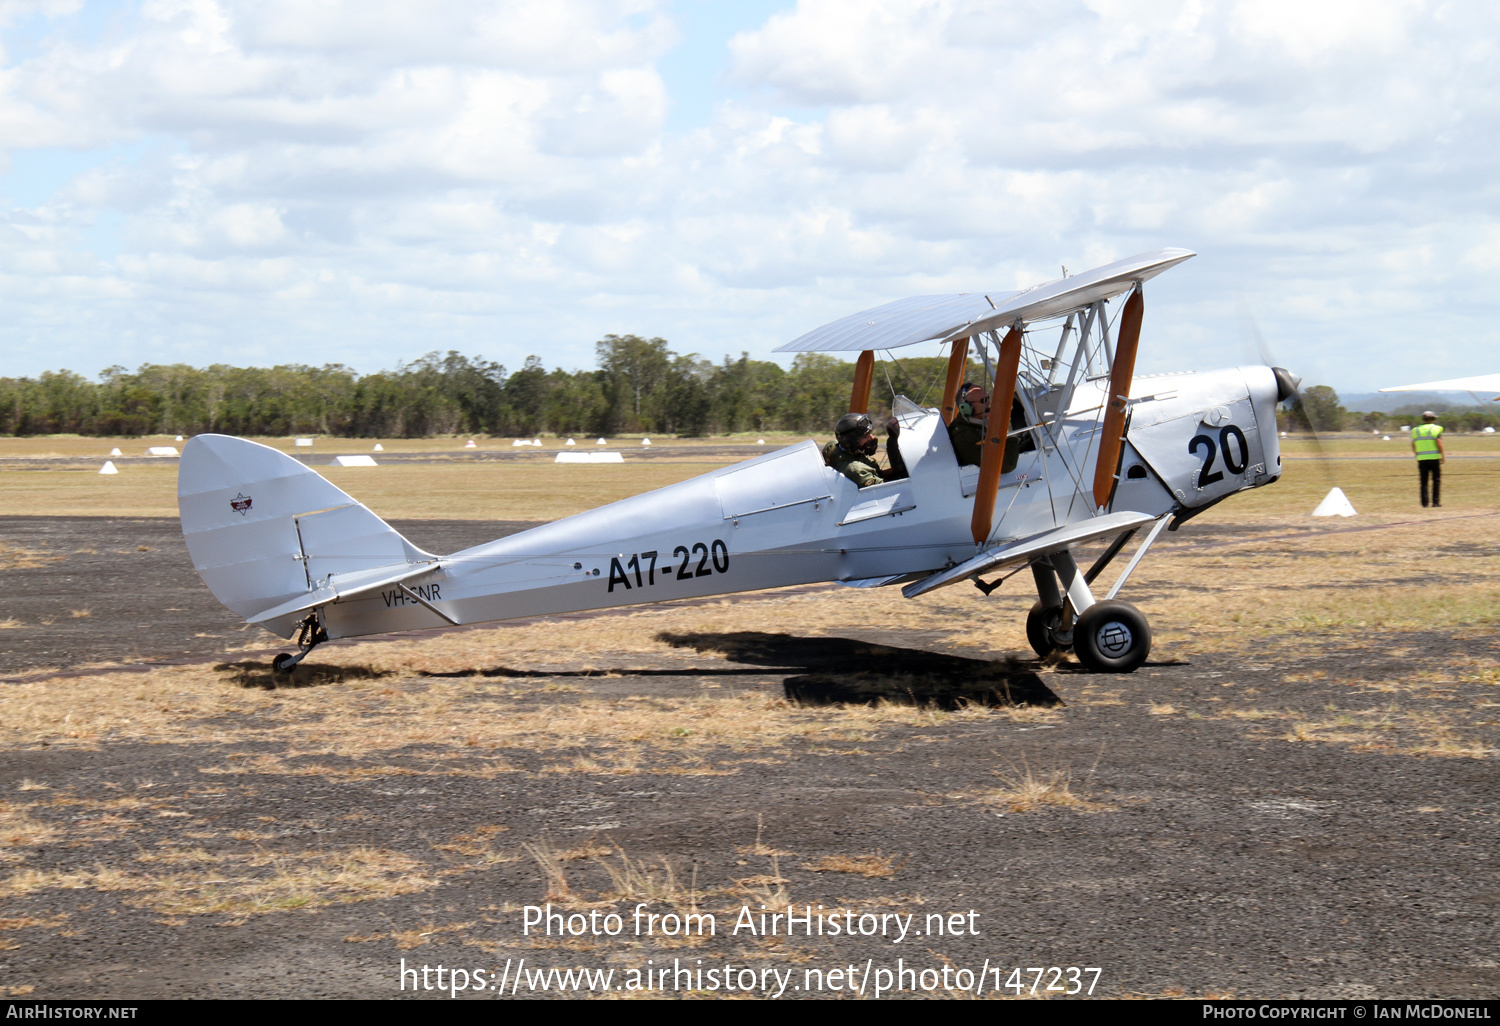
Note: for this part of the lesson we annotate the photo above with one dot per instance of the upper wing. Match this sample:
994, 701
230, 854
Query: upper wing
941, 318
1478, 383
902, 323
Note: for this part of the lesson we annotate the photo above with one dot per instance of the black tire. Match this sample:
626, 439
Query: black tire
283, 663
1041, 629
1112, 637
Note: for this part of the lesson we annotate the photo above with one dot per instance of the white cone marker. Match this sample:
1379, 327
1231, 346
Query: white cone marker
1335, 504
108, 468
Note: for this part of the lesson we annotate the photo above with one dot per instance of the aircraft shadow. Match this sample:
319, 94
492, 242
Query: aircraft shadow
835, 671
303, 675
843, 671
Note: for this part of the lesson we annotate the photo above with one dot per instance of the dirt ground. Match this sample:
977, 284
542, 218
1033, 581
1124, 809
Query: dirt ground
1296, 797
1293, 798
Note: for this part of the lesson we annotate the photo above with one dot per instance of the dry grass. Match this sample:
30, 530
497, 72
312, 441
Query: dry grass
766, 889
876, 865
657, 882
554, 872
373, 707
17, 557
408, 939
18, 828
88, 447
532, 490
630, 879
536, 489
242, 885
479, 843
1024, 789
1395, 728
760, 847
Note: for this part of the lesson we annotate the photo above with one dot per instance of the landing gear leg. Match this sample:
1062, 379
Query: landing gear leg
1049, 624
309, 637
1107, 637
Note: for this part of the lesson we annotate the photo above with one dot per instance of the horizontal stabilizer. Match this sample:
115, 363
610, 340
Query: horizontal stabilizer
346, 586
1026, 549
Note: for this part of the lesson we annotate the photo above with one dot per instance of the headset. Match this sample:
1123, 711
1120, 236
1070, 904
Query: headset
965, 408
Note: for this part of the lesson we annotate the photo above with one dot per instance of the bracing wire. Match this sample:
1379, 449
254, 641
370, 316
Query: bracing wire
926, 390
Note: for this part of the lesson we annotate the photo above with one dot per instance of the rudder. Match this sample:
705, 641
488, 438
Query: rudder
263, 530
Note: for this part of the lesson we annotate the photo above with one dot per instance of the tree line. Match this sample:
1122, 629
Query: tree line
1319, 407
640, 386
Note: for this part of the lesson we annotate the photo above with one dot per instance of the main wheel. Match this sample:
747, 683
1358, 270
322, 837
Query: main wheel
283, 663
1042, 630
1111, 637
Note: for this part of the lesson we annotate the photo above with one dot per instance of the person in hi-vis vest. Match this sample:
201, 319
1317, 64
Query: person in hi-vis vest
1427, 443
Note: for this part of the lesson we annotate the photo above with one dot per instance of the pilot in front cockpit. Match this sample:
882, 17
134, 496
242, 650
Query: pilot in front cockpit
852, 452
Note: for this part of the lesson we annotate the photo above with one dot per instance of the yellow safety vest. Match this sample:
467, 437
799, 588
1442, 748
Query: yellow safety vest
1424, 437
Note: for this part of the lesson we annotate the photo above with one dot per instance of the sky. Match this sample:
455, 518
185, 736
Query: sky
271, 182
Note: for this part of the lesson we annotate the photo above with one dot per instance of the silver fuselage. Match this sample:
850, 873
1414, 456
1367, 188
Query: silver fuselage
785, 518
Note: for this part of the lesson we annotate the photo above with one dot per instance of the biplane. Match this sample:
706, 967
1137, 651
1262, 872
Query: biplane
1103, 457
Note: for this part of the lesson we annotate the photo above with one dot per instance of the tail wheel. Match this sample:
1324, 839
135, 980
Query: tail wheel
1112, 637
1043, 630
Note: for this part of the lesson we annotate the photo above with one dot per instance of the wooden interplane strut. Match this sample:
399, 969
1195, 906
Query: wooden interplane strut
958, 363
1112, 434
864, 374
996, 427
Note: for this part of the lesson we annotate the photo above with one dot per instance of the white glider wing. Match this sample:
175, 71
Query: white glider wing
1478, 383
942, 318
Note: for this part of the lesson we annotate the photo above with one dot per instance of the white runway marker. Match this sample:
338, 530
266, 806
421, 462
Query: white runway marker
1335, 504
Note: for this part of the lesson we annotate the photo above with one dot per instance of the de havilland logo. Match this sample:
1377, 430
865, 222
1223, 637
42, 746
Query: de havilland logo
240, 503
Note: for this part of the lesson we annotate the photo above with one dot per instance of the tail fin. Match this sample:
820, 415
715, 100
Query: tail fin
270, 536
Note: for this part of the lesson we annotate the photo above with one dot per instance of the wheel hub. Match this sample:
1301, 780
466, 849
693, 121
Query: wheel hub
1114, 638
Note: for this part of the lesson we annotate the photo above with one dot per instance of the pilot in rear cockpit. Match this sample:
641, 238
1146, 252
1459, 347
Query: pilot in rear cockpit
967, 430
852, 452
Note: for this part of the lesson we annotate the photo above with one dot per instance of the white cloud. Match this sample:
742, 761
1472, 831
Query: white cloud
364, 181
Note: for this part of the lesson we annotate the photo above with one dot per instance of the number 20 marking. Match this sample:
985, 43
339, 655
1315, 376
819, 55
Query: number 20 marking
1236, 462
